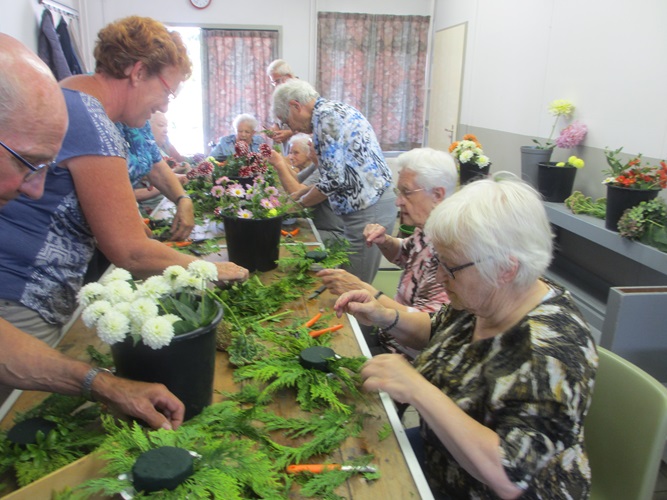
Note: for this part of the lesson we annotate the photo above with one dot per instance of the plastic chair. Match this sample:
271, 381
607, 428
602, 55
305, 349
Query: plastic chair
625, 430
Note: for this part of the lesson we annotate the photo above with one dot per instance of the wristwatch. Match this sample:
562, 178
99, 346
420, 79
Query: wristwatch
87, 385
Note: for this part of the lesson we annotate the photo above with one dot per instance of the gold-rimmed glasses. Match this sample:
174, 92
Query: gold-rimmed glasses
36, 171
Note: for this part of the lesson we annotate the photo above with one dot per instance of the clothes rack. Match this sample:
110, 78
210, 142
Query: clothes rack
60, 8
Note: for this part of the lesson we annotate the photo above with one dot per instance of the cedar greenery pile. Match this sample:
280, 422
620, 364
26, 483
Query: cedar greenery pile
243, 446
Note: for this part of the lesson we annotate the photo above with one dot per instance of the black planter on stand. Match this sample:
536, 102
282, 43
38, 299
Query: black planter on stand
186, 366
619, 199
555, 183
530, 158
469, 172
253, 243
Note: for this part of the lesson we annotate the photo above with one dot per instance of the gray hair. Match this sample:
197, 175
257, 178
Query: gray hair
493, 222
300, 141
432, 168
280, 67
293, 90
245, 118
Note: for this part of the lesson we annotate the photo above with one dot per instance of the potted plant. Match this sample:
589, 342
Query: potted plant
569, 137
472, 161
629, 183
161, 329
555, 179
647, 223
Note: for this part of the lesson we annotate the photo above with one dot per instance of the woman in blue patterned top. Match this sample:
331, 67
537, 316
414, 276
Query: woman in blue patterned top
354, 176
506, 374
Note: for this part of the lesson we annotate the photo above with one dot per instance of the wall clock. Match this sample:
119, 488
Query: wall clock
200, 4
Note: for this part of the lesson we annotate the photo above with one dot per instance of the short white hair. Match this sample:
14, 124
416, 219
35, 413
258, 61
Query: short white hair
432, 168
492, 222
245, 118
292, 90
279, 67
301, 141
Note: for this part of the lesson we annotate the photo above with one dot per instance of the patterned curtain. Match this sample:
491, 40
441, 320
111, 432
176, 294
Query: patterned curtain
377, 63
234, 76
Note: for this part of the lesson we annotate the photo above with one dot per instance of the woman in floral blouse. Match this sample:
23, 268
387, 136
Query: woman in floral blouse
507, 371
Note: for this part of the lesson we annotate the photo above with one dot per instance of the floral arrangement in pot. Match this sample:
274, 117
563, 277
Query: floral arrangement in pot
569, 137
152, 311
629, 183
471, 158
261, 200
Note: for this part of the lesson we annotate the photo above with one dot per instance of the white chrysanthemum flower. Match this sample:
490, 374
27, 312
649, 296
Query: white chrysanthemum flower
113, 326
142, 310
154, 288
190, 282
123, 308
172, 273
203, 269
117, 274
465, 156
94, 311
482, 160
90, 293
157, 332
119, 291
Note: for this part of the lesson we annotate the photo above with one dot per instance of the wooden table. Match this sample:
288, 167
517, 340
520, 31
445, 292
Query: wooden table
401, 476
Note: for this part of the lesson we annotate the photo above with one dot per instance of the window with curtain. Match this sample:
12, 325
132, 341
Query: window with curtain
377, 63
234, 77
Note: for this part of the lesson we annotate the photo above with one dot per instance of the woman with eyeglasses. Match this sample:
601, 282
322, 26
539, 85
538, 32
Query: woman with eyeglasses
506, 374
425, 178
88, 199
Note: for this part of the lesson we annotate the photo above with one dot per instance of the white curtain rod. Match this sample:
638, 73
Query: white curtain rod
60, 8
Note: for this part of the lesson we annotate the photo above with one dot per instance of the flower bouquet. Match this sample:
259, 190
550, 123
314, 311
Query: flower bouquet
571, 135
472, 160
629, 183
153, 311
647, 223
160, 330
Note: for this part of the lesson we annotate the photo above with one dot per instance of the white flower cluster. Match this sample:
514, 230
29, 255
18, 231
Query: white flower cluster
117, 306
469, 151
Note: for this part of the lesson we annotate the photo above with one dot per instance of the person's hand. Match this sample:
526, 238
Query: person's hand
375, 234
393, 374
228, 271
362, 305
277, 160
152, 403
183, 179
282, 135
184, 220
339, 281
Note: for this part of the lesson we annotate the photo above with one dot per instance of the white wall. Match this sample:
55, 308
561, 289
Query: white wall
604, 55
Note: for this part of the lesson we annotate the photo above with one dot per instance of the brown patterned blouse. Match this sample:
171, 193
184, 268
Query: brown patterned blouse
532, 385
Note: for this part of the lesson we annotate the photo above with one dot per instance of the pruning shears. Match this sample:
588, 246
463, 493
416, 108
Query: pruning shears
290, 234
320, 468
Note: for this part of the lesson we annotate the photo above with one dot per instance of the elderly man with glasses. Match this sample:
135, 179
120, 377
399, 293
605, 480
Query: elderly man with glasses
33, 122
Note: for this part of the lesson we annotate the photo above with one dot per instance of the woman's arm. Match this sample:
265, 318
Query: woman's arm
167, 182
287, 176
474, 446
107, 200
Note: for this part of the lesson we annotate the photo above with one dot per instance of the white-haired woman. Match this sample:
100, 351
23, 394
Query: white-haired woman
245, 128
506, 374
426, 177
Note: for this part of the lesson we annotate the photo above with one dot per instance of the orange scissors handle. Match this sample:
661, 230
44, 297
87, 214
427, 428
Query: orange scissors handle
312, 468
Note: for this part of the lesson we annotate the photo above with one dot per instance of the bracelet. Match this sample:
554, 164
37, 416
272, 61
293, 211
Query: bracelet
377, 295
385, 330
87, 385
181, 197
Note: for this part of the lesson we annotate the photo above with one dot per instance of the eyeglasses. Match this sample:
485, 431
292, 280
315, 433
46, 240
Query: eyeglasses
278, 80
452, 270
172, 94
406, 193
38, 171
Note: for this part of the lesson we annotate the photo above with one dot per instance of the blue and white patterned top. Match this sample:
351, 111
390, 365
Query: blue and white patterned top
47, 243
226, 146
353, 171
143, 150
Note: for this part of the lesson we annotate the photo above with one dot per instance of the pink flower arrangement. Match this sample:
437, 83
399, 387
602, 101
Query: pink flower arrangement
572, 135
261, 200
